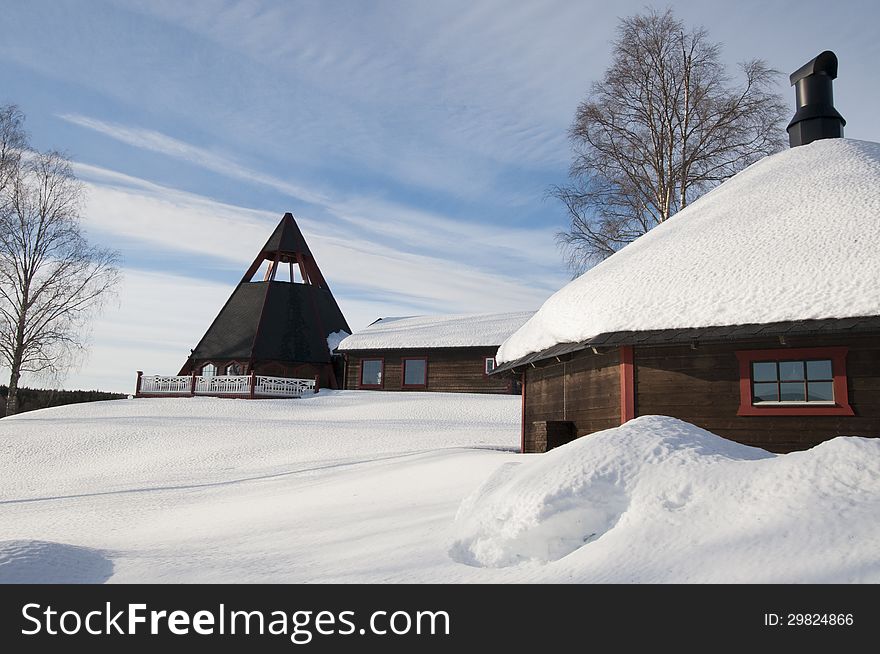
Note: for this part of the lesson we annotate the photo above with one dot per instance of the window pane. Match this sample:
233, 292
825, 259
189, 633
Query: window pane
371, 372
821, 391
414, 372
792, 392
766, 393
764, 371
208, 370
791, 370
819, 369
489, 365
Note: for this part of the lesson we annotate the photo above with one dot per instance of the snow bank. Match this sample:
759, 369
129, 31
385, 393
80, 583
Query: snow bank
658, 485
160, 442
792, 237
339, 486
350, 486
40, 562
460, 330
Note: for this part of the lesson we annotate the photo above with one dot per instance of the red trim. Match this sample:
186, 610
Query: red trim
837, 355
361, 383
627, 385
522, 417
403, 361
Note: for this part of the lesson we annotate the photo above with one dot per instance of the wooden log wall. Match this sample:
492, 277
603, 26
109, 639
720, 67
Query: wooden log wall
701, 386
584, 391
450, 370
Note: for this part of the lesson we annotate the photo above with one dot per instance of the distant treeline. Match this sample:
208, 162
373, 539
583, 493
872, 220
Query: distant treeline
30, 399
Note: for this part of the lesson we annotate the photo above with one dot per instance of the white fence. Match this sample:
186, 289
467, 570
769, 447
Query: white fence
225, 385
165, 385
282, 386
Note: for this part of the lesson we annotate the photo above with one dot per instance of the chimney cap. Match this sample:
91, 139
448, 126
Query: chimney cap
825, 63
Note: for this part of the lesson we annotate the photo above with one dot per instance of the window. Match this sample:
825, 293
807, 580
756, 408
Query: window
371, 373
488, 365
780, 382
415, 372
235, 369
209, 370
807, 381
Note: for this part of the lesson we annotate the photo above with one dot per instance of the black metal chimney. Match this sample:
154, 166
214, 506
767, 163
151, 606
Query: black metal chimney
816, 117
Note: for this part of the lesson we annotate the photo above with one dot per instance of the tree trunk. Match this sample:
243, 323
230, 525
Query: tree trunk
15, 374
12, 396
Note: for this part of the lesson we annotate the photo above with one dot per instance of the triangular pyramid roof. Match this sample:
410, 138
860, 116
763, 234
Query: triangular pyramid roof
793, 237
275, 321
287, 237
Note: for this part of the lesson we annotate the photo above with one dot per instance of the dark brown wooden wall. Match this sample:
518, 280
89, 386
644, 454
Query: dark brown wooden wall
452, 370
701, 386
585, 391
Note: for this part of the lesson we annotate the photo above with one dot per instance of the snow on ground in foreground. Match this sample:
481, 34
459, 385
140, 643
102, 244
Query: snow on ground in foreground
659, 499
363, 487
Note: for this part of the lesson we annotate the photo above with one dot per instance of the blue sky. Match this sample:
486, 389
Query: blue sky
414, 141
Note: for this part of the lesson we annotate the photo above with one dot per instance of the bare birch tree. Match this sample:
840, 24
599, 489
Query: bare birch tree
664, 125
52, 280
13, 141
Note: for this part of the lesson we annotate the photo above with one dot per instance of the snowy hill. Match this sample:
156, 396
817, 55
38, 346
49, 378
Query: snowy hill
365, 486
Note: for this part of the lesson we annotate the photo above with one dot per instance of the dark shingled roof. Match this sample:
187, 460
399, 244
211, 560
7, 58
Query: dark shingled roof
860, 325
275, 320
287, 237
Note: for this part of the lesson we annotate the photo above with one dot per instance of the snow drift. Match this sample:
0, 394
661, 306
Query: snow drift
658, 484
738, 255
362, 486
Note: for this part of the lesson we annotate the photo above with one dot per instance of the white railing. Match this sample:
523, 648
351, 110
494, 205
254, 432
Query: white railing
225, 385
165, 385
283, 386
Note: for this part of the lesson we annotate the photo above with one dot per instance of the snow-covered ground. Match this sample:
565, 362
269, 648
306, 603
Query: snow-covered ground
360, 486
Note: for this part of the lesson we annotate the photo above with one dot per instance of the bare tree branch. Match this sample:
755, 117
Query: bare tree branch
663, 126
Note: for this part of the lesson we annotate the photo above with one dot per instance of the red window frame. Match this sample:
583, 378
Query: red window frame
837, 355
403, 361
494, 365
381, 383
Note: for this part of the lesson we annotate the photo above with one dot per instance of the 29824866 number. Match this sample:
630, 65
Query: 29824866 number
817, 619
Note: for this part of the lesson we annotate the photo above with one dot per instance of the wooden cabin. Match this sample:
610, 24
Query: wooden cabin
451, 354
753, 313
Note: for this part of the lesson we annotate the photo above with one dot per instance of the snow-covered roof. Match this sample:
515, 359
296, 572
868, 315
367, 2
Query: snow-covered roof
795, 236
459, 330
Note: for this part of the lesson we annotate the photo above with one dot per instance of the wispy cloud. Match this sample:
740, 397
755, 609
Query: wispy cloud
217, 162
165, 219
378, 221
